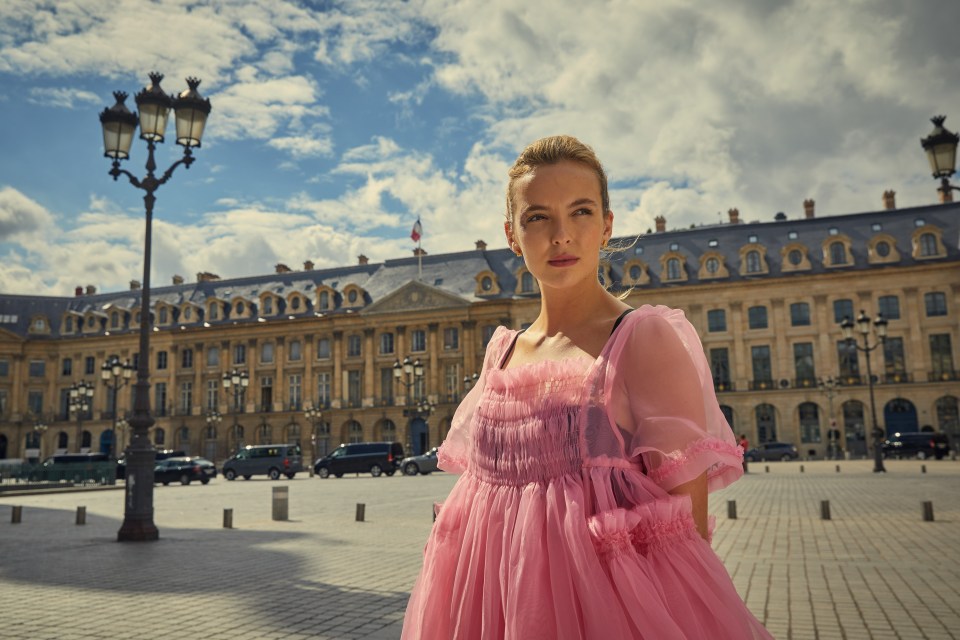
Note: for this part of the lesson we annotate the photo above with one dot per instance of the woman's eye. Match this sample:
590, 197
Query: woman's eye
535, 217
583, 212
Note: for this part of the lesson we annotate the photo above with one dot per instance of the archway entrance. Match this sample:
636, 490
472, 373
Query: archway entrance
419, 436
106, 441
854, 432
900, 416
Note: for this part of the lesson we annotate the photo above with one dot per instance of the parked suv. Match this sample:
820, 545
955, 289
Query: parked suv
361, 457
772, 451
272, 460
922, 445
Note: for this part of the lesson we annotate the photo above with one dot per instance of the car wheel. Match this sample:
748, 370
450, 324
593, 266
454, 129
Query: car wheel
205, 481
247, 477
375, 471
785, 458
921, 455
339, 475
290, 475
274, 474
184, 479
411, 469
166, 483
230, 474
391, 472
323, 472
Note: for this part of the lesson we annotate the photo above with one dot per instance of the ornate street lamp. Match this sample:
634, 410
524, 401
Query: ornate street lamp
863, 327
314, 416
410, 374
80, 400
238, 380
828, 387
118, 125
115, 375
469, 381
39, 428
941, 148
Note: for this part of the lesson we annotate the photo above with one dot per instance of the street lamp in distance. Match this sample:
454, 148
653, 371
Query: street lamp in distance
863, 327
79, 402
115, 374
941, 148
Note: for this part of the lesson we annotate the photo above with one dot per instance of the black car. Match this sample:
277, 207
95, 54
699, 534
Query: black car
772, 451
923, 445
374, 458
184, 470
159, 454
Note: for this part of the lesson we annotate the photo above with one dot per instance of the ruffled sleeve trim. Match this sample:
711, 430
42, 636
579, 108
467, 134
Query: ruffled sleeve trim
723, 461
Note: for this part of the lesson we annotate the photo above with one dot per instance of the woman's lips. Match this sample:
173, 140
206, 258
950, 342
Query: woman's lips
563, 261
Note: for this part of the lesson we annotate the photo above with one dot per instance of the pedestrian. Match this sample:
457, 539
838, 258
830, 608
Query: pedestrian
744, 445
586, 448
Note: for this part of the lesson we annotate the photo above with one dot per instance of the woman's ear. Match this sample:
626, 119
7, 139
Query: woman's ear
607, 227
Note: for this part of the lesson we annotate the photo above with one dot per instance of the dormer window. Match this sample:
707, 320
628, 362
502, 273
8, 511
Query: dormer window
928, 244
268, 306
352, 296
795, 257
240, 308
673, 269
68, 324
876, 226
486, 283
833, 231
187, 313
792, 235
838, 253
213, 311
635, 272
752, 239
295, 303
713, 266
526, 282
674, 246
115, 320
753, 262
162, 316
324, 300
713, 244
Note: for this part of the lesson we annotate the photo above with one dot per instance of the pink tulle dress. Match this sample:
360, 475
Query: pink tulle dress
561, 525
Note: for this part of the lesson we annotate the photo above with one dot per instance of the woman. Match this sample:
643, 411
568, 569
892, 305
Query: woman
587, 449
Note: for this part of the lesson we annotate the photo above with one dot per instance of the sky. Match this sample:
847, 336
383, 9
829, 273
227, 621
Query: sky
335, 125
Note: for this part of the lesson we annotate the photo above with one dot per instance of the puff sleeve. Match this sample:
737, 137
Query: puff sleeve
664, 402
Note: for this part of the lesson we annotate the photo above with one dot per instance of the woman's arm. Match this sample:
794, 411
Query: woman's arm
697, 490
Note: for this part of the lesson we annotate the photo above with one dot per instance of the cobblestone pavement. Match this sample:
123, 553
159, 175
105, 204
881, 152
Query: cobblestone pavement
875, 570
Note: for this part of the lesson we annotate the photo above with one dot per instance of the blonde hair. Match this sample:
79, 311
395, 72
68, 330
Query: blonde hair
552, 150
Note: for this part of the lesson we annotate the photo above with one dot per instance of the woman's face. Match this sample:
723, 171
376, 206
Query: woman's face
559, 224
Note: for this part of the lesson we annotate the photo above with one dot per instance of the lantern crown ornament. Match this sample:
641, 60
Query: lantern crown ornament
154, 106
941, 148
192, 110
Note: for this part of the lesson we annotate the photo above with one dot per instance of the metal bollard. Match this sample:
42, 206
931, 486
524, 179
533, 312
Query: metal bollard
732, 509
361, 511
16, 514
81, 515
923, 468
228, 518
838, 468
281, 503
801, 468
766, 469
824, 509
928, 511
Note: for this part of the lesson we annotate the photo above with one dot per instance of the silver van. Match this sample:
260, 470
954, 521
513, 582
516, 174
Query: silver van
272, 460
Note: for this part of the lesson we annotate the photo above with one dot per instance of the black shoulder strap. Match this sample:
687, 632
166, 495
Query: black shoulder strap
619, 320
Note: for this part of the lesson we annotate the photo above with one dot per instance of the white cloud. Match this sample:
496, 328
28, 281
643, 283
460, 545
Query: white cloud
62, 97
20, 216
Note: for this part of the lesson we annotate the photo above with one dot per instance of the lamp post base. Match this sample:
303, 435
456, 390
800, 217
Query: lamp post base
138, 531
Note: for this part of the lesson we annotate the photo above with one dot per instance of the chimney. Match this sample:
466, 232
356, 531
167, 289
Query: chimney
661, 223
134, 285
281, 268
889, 199
734, 215
481, 245
307, 265
808, 207
419, 252
362, 259
177, 280
78, 291
91, 290
206, 276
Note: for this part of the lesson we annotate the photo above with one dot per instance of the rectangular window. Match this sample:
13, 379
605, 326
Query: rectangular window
3, 403
803, 364
889, 307
239, 354
451, 379
800, 314
186, 359
213, 394
418, 340
65, 404
161, 360
67, 368
720, 368
941, 354
757, 317
295, 393
354, 388
323, 348
894, 363
4, 368
37, 369
186, 398
213, 356
419, 388
848, 360
354, 346
266, 394
762, 371
451, 339
716, 320
488, 331
936, 303
160, 398
266, 353
386, 343
35, 402
843, 309
323, 389
386, 386
90, 365
295, 352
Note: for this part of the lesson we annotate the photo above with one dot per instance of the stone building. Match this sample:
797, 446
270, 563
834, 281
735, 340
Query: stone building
766, 297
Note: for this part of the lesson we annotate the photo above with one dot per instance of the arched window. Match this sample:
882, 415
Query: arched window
838, 253
853, 421
114, 320
355, 432
809, 422
673, 269
69, 324
159, 436
948, 417
526, 282
183, 436
263, 434
635, 272
295, 303
753, 262
928, 244
62, 440
388, 431
163, 315
766, 416
268, 306
211, 433
85, 440
324, 299
728, 414
293, 433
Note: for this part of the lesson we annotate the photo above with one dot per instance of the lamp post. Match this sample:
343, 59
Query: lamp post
469, 381
213, 419
115, 375
118, 125
409, 373
121, 426
941, 148
39, 428
238, 380
314, 416
863, 327
828, 387
80, 400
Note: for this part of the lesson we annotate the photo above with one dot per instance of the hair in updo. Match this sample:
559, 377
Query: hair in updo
552, 150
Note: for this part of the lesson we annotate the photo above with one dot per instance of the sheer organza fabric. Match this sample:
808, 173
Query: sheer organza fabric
561, 525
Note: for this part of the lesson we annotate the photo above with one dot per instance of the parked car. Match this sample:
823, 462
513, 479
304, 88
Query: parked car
422, 464
923, 445
772, 451
159, 454
78, 467
272, 460
374, 458
184, 470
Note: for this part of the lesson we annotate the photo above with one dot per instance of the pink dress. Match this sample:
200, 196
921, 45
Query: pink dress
561, 525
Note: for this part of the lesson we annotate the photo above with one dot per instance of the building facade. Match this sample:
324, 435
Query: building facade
767, 299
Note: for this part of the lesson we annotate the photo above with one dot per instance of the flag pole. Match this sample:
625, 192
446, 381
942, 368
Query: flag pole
419, 261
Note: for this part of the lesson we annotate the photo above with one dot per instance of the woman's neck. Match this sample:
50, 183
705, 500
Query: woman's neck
570, 311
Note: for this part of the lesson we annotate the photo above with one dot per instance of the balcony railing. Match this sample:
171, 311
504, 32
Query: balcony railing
849, 380
897, 378
804, 383
721, 387
943, 376
763, 385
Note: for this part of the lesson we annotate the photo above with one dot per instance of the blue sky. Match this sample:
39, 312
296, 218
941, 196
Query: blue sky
336, 124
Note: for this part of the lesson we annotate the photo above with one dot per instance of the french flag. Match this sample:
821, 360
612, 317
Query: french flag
417, 231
